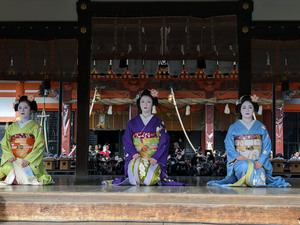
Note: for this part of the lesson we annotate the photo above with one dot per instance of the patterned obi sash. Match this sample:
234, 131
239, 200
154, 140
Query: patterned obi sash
146, 143
249, 145
22, 144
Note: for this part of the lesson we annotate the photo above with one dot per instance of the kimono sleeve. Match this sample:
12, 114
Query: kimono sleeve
229, 145
129, 148
266, 146
164, 142
6, 146
35, 157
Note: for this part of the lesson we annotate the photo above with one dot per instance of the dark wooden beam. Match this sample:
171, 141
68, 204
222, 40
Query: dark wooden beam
244, 33
83, 90
276, 30
158, 8
38, 30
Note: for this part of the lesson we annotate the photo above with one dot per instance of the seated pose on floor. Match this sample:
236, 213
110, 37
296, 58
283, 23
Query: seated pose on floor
23, 147
146, 146
248, 147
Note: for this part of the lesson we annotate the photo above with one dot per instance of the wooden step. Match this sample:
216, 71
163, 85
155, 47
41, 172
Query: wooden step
98, 223
149, 207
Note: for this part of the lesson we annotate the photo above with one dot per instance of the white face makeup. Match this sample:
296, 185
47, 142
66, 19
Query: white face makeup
24, 111
247, 110
146, 104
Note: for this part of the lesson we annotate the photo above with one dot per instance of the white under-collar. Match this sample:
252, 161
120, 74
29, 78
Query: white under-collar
248, 125
22, 124
146, 119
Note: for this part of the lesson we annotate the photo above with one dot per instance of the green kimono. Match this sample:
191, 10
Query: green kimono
27, 143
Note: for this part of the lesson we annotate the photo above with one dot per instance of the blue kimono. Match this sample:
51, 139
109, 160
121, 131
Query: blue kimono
150, 141
255, 145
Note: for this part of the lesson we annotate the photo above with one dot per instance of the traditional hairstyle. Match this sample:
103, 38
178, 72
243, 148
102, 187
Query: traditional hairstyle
245, 98
153, 94
29, 100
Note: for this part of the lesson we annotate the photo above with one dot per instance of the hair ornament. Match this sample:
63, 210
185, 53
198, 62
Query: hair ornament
254, 98
150, 93
26, 98
30, 98
154, 93
239, 101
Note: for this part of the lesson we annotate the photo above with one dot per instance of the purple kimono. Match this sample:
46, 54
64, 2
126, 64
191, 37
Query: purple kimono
133, 139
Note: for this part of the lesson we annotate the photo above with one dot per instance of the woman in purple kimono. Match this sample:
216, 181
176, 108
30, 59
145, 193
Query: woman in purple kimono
146, 146
248, 148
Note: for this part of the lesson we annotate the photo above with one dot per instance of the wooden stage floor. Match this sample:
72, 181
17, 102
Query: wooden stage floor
83, 200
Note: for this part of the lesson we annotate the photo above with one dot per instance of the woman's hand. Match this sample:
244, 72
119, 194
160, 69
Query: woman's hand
12, 159
152, 161
136, 156
257, 165
240, 157
24, 163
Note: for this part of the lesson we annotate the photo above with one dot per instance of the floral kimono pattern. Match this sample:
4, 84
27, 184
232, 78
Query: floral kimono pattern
255, 145
152, 141
27, 143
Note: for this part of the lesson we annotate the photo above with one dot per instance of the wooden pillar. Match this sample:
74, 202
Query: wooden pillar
203, 136
75, 128
66, 128
279, 130
83, 86
209, 127
133, 111
19, 92
267, 121
244, 35
19, 89
66, 123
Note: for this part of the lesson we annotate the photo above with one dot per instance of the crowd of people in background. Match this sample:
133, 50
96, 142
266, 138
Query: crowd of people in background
213, 163
102, 160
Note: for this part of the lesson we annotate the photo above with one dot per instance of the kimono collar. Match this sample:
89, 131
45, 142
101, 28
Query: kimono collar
146, 119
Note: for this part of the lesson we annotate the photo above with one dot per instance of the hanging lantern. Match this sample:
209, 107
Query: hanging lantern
227, 110
187, 110
109, 111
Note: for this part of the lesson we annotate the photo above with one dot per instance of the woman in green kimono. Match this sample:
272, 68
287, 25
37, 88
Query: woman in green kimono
23, 147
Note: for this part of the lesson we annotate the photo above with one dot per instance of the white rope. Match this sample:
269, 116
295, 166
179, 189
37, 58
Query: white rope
93, 101
183, 129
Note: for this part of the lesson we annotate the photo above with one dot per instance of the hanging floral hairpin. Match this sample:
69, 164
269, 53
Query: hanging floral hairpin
154, 93
30, 98
254, 98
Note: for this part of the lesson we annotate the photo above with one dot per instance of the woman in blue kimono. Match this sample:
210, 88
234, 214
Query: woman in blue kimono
248, 148
146, 146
